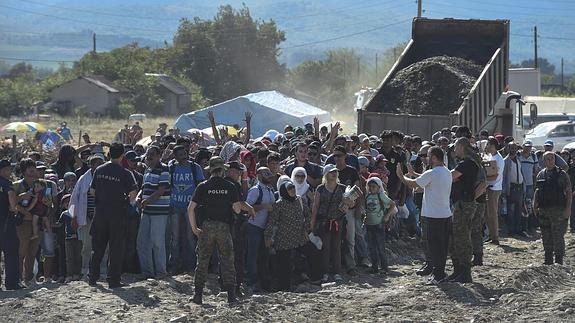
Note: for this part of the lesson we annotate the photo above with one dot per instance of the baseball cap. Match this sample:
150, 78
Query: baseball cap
363, 161
4, 163
40, 165
381, 157
237, 165
216, 162
328, 169
528, 143
340, 149
69, 175
132, 156
363, 137
97, 156
549, 143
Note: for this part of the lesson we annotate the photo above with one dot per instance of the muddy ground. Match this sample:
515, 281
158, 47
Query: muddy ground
511, 286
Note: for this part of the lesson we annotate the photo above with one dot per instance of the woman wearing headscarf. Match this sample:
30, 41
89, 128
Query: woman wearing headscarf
287, 231
66, 161
302, 188
248, 160
230, 151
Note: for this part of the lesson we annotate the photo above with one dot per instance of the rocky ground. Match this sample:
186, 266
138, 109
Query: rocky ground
511, 286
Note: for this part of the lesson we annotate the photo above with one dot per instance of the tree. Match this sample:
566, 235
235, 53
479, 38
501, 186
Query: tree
21, 70
230, 55
544, 65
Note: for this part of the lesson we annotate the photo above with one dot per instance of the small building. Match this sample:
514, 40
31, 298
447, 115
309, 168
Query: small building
95, 93
177, 97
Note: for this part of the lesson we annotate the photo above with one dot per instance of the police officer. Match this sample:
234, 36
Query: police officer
552, 205
8, 237
114, 188
216, 200
464, 206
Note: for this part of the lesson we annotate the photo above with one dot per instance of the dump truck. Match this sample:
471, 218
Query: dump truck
487, 105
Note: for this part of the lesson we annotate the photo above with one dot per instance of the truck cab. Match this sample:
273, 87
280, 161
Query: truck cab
507, 116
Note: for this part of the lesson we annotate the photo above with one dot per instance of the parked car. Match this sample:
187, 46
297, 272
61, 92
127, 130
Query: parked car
561, 132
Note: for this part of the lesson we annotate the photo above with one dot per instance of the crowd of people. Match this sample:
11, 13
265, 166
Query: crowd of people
303, 204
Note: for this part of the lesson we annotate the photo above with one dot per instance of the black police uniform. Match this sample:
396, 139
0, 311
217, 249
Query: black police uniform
112, 184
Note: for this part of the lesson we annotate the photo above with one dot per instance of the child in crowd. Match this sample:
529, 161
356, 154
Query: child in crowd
379, 209
381, 169
73, 244
39, 209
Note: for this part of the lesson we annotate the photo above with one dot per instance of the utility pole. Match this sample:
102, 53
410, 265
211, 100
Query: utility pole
94, 43
562, 74
419, 8
535, 42
376, 71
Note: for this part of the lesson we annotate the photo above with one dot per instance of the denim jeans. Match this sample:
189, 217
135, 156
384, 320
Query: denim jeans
182, 242
361, 247
376, 238
349, 250
151, 244
255, 237
412, 220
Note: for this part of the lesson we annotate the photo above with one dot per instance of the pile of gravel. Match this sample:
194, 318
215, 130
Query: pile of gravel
435, 85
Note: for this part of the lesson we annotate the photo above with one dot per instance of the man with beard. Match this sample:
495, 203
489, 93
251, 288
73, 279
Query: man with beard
552, 205
463, 196
261, 197
216, 200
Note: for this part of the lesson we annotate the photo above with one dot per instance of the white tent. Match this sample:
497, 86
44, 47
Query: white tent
270, 110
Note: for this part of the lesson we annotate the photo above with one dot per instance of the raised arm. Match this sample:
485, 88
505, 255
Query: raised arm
248, 121
214, 128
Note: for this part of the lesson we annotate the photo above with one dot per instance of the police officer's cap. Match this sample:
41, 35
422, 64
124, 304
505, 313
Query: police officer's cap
216, 162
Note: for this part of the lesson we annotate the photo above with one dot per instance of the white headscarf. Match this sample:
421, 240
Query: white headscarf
300, 189
378, 181
282, 180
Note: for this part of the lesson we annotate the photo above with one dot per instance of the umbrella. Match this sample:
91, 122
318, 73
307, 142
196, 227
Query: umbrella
50, 136
22, 127
35, 125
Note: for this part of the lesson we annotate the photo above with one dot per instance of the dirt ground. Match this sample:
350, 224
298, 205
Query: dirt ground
511, 286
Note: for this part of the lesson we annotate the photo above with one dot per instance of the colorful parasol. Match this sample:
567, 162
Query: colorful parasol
22, 127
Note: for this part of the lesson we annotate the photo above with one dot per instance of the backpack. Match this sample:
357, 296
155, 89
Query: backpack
491, 170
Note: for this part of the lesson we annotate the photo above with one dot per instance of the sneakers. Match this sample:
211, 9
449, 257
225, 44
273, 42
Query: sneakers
495, 242
425, 270
198, 295
365, 263
337, 278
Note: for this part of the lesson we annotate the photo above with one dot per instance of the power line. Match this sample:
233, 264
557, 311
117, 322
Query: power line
96, 12
348, 35
205, 58
83, 21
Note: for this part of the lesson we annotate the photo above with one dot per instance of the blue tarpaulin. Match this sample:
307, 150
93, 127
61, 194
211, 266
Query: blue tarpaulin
270, 110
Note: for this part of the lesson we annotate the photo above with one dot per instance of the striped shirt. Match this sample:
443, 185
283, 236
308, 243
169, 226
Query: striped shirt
153, 178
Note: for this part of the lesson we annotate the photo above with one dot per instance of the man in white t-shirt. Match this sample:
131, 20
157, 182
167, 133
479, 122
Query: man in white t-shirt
494, 189
436, 184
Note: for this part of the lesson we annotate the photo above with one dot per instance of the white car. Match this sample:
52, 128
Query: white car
570, 146
561, 133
